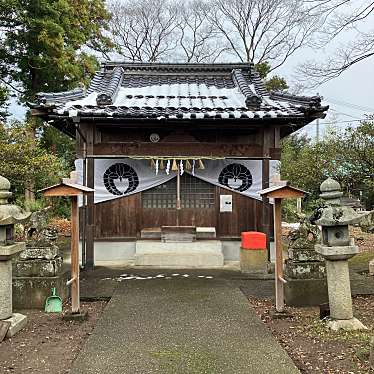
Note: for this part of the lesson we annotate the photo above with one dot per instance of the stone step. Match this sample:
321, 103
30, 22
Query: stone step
200, 254
176, 234
151, 233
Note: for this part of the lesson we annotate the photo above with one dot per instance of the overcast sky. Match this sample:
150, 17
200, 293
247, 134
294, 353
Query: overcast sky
355, 87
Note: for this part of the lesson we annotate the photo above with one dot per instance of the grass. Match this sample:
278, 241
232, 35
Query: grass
319, 329
185, 361
362, 259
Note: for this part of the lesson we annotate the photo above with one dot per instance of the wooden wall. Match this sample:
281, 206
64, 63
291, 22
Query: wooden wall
124, 218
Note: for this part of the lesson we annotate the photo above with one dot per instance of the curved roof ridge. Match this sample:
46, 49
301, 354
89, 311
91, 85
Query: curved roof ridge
106, 94
252, 100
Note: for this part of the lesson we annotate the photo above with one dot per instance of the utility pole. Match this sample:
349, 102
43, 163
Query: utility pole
317, 127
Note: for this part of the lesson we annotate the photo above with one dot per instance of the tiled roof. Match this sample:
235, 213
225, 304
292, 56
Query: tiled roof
179, 91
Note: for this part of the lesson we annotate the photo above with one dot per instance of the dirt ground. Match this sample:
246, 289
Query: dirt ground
47, 344
313, 347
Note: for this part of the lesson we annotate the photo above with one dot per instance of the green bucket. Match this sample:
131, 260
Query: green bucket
53, 304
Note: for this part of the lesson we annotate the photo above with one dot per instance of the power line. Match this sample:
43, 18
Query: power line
350, 105
344, 114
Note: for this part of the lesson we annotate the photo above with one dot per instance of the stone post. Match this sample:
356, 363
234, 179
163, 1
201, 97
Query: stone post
337, 248
9, 215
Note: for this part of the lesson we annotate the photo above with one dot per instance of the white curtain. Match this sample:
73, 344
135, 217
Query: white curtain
115, 178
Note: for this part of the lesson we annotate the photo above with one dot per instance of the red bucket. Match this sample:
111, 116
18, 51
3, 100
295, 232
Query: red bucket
253, 240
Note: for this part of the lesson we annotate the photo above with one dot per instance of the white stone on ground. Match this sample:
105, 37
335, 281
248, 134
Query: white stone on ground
371, 267
346, 324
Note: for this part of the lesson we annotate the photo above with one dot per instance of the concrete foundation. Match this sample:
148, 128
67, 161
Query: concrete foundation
5, 289
122, 253
31, 292
17, 322
253, 261
305, 292
202, 254
339, 289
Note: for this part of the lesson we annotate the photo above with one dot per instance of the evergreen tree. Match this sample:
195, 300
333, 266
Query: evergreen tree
45, 47
44, 44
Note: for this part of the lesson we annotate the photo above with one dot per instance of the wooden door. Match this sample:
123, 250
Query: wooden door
198, 206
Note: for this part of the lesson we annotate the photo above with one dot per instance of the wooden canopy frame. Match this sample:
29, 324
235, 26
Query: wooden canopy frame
72, 190
278, 192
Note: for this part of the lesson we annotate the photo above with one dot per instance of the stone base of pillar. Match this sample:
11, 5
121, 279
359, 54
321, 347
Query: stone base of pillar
346, 324
305, 292
31, 292
17, 322
253, 261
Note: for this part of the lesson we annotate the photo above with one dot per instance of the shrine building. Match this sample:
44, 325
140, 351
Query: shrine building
175, 151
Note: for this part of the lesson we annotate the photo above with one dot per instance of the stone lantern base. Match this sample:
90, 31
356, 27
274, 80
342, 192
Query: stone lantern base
17, 322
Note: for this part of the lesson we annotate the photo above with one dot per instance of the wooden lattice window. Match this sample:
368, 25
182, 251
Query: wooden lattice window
162, 196
195, 193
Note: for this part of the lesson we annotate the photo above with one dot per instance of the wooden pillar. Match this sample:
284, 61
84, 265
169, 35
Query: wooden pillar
178, 205
90, 217
89, 132
279, 285
74, 255
266, 216
267, 143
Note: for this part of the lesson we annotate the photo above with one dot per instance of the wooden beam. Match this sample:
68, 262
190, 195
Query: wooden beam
75, 307
275, 153
279, 280
177, 149
286, 193
62, 191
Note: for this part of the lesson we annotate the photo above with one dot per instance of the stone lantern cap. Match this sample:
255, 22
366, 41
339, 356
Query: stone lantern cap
334, 214
10, 214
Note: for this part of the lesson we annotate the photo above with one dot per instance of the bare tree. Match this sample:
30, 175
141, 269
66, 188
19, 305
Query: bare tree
144, 30
264, 30
347, 23
199, 40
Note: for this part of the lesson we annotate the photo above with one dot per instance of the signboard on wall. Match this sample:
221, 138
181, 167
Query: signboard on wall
225, 203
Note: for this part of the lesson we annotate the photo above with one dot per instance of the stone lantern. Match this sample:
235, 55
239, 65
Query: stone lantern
9, 216
337, 247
